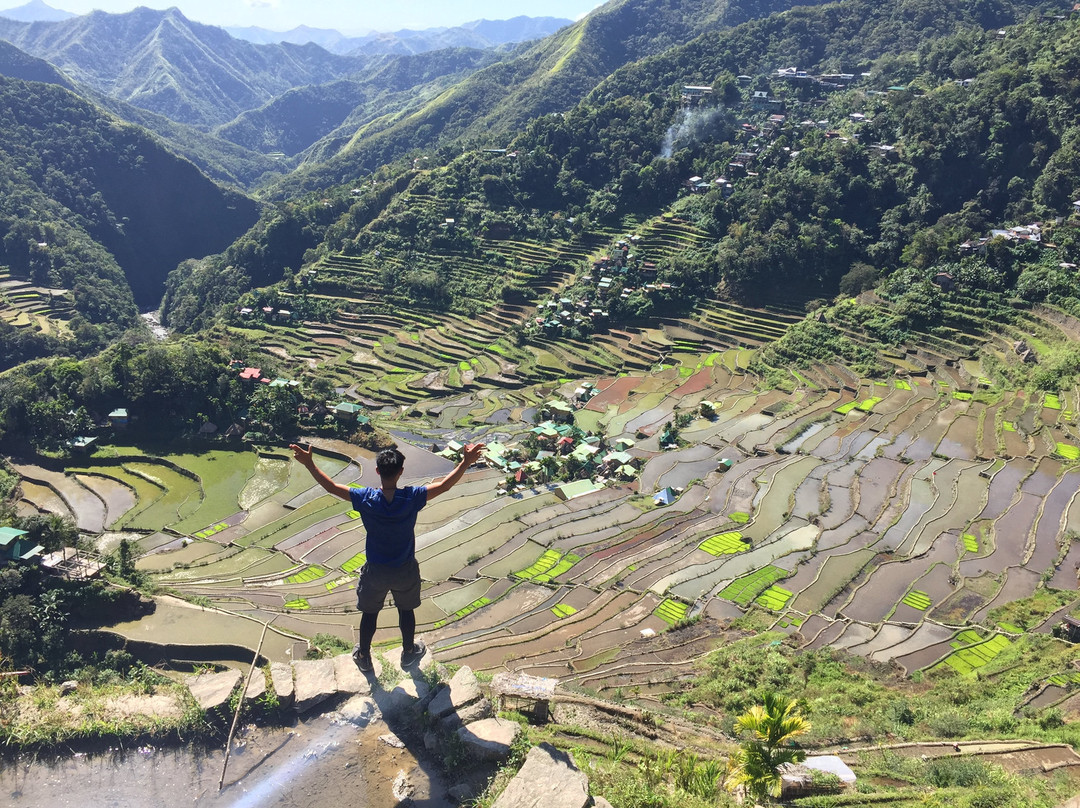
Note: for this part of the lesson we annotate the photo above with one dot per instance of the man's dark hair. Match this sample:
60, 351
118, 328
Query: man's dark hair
389, 462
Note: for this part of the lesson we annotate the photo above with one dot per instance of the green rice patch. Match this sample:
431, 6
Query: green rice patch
354, 563
1008, 426
353, 514
562, 610
724, 544
774, 598
710, 360
312, 573
479, 603
1009, 627
917, 599
739, 518
743, 590
298, 603
900, 384
332, 585
969, 659
844, 409
1052, 401
549, 566
869, 404
685, 371
671, 611
1068, 451
961, 396
207, 532
971, 543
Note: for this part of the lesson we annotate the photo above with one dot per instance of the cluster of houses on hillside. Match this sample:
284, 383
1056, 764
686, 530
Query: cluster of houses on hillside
555, 449
1029, 233
344, 411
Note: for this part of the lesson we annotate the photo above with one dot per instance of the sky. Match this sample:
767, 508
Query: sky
347, 16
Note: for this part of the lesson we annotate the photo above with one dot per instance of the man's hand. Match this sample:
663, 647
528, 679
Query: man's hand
303, 456
469, 455
472, 452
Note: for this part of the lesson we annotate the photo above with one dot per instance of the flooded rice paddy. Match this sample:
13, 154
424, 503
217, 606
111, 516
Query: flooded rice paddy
878, 529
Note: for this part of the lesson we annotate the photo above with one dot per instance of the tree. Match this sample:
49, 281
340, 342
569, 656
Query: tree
756, 766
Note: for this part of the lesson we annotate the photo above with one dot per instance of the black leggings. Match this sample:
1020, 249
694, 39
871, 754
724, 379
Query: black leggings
369, 621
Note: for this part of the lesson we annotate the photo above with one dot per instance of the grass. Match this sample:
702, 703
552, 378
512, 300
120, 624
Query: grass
917, 599
548, 567
312, 573
724, 544
972, 652
671, 611
774, 598
354, 563
971, 543
744, 590
561, 610
479, 603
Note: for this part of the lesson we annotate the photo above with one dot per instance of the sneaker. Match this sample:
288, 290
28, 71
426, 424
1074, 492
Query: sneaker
363, 661
413, 655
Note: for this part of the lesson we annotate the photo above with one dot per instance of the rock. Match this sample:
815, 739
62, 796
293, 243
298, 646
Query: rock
390, 739
405, 695
549, 779
256, 687
393, 657
462, 792
157, 706
403, 788
476, 711
489, 739
281, 676
432, 742
212, 690
70, 686
360, 710
314, 681
462, 690
350, 679
600, 802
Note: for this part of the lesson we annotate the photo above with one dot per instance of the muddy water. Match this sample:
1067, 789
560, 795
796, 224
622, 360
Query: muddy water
321, 761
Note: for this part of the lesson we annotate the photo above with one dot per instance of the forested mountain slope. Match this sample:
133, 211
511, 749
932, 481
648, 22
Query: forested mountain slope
550, 76
163, 62
295, 120
95, 205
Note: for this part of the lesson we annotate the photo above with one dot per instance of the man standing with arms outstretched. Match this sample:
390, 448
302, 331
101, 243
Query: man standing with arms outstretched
389, 516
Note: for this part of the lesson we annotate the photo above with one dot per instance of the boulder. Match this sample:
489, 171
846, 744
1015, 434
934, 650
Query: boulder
350, 679
212, 690
281, 676
314, 681
461, 690
549, 779
600, 802
476, 711
489, 739
256, 687
360, 710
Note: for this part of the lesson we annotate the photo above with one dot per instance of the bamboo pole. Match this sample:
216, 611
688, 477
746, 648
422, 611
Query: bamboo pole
240, 702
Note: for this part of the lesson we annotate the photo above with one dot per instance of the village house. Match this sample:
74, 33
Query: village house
14, 547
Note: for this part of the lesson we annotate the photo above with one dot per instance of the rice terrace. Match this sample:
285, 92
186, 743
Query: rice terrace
896, 518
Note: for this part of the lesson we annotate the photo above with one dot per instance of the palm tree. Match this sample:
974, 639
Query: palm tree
757, 764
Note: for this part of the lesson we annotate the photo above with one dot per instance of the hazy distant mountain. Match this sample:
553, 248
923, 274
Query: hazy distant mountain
476, 34
36, 11
163, 62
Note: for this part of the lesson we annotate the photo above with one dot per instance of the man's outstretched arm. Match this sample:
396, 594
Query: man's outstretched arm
469, 455
305, 458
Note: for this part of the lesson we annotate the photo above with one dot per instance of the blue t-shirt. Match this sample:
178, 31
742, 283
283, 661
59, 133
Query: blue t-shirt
390, 526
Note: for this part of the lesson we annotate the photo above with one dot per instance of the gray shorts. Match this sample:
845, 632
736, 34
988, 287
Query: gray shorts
378, 579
